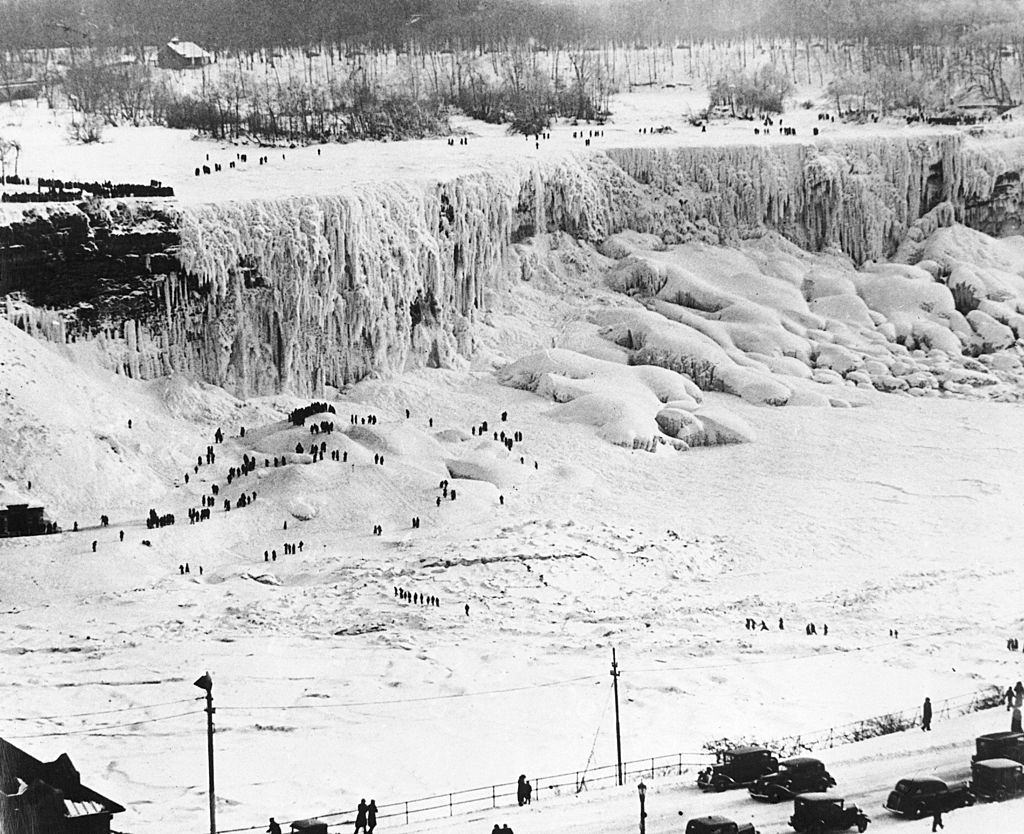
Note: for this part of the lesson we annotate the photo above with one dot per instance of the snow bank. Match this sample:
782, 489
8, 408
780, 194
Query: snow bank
637, 406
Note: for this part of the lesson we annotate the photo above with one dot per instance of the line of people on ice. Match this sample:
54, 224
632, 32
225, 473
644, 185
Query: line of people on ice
810, 629
751, 624
417, 598
154, 520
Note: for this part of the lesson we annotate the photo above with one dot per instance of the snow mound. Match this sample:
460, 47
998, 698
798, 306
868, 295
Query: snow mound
485, 463
262, 578
302, 508
755, 319
636, 406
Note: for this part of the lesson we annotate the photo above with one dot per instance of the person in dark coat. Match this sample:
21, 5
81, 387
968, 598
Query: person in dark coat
1015, 721
371, 816
937, 820
926, 714
361, 816
525, 791
274, 828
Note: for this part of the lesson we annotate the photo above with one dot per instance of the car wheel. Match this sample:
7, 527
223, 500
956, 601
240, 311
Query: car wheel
862, 826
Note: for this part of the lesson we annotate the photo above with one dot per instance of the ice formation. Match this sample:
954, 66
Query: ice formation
772, 324
637, 406
293, 294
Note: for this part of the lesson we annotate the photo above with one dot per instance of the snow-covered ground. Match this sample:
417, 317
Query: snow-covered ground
139, 154
901, 513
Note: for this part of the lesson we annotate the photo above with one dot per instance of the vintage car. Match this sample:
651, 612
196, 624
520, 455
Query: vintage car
799, 775
718, 825
922, 797
999, 746
994, 780
816, 813
737, 768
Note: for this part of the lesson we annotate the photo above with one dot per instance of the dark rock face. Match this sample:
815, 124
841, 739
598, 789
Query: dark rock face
98, 260
1001, 214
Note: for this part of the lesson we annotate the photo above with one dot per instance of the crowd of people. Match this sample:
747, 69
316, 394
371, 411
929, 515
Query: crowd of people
212, 496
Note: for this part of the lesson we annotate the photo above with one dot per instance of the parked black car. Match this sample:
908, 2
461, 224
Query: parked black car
1002, 745
916, 798
718, 825
737, 768
799, 775
994, 780
816, 813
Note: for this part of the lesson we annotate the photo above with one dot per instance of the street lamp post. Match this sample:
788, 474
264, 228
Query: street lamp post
642, 790
206, 683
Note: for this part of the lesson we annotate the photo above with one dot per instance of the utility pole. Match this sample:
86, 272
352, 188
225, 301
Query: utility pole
618, 734
206, 683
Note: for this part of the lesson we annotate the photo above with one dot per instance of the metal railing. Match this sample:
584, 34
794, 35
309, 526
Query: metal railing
884, 724
490, 797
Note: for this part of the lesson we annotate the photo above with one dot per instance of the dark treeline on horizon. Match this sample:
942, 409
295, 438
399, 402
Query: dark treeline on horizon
247, 25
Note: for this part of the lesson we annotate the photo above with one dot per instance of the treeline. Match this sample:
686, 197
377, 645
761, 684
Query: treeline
236, 98
340, 94
320, 70
486, 25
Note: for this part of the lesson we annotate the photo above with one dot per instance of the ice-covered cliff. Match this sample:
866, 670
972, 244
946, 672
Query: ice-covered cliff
292, 293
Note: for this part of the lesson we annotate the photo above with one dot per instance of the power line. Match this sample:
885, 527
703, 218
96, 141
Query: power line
98, 712
97, 729
478, 693
580, 679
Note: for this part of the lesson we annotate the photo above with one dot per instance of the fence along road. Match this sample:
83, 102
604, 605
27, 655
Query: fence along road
491, 797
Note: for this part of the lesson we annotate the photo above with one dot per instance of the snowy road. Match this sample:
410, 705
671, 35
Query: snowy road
865, 773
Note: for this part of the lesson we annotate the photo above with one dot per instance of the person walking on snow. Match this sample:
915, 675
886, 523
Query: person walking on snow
274, 827
371, 816
937, 820
361, 816
1015, 725
926, 715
